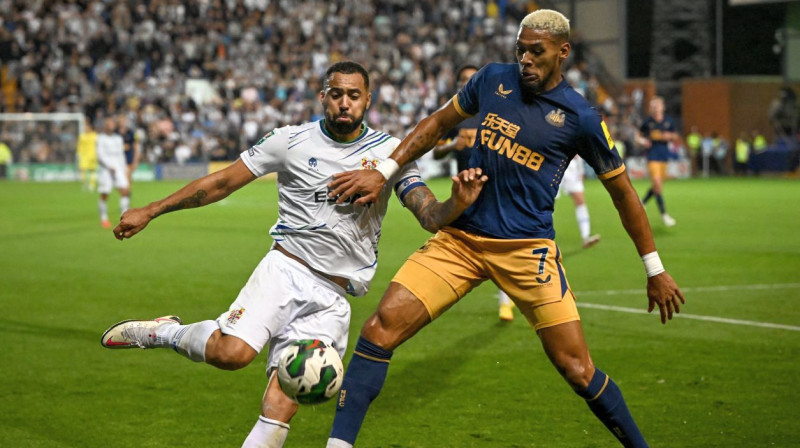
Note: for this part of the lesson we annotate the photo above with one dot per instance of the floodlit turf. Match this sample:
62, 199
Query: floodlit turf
465, 381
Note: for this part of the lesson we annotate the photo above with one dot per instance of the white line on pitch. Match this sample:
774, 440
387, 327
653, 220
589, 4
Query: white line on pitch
617, 292
723, 320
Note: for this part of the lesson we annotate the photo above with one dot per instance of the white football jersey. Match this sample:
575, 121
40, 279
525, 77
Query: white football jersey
337, 239
111, 152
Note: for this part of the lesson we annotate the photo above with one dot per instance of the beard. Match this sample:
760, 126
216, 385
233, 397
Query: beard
342, 128
530, 91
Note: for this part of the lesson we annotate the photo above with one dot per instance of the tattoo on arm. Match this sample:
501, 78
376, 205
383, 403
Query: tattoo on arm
430, 213
424, 137
195, 200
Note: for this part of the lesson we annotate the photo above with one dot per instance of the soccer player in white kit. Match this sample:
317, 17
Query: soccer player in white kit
112, 170
322, 249
572, 184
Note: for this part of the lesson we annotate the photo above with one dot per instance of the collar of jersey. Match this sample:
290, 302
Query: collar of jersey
560, 86
327, 134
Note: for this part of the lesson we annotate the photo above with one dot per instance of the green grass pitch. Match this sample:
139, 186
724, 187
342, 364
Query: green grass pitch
464, 381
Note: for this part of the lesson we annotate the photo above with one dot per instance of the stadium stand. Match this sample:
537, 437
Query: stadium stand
214, 75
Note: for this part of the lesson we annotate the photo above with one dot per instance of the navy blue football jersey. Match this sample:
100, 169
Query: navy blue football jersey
128, 139
524, 147
462, 157
659, 146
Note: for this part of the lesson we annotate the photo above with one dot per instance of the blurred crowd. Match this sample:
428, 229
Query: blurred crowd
213, 75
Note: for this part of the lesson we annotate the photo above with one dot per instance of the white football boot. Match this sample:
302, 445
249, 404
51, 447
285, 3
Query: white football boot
135, 333
590, 241
669, 221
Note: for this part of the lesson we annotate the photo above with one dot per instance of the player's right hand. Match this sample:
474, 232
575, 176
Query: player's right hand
132, 222
367, 183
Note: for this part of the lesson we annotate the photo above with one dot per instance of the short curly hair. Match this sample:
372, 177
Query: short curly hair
347, 68
547, 20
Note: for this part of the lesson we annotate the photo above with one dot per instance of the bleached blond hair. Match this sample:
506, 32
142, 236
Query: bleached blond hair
547, 20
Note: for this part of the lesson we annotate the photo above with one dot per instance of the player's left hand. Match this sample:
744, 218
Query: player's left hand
467, 186
367, 183
664, 292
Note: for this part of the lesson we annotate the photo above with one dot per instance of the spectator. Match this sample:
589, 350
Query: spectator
245, 57
5, 159
759, 141
707, 147
721, 156
694, 141
743, 150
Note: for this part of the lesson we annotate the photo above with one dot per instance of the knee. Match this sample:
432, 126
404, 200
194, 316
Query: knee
277, 406
227, 361
378, 330
399, 316
228, 354
576, 370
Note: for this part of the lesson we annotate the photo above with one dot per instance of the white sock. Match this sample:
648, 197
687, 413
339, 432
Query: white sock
267, 433
103, 207
124, 204
503, 299
337, 443
188, 340
582, 215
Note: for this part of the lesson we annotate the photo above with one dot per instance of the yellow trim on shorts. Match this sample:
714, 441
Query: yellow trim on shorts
611, 173
459, 109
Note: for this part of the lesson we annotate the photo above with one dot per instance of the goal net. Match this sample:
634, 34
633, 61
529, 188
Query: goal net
43, 145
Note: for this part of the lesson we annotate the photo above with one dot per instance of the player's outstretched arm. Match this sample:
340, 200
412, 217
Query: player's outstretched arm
661, 288
432, 214
368, 183
198, 193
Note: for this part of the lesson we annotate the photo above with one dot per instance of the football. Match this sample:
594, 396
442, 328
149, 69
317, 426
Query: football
310, 371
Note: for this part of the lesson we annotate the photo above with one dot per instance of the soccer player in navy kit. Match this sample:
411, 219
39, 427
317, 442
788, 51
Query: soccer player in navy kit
460, 140
532, 124
132, 152
657, 133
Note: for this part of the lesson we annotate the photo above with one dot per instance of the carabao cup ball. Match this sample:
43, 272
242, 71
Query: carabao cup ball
310, 371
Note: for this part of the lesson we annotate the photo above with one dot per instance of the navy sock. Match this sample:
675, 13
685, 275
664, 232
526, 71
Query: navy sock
605, 400
660, 201
362, 383
647, 196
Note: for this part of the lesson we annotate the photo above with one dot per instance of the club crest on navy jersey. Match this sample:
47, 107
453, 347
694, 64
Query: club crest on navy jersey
556, 118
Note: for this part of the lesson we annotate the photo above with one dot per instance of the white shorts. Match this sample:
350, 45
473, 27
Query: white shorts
572, 182
106, 180
284, 301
